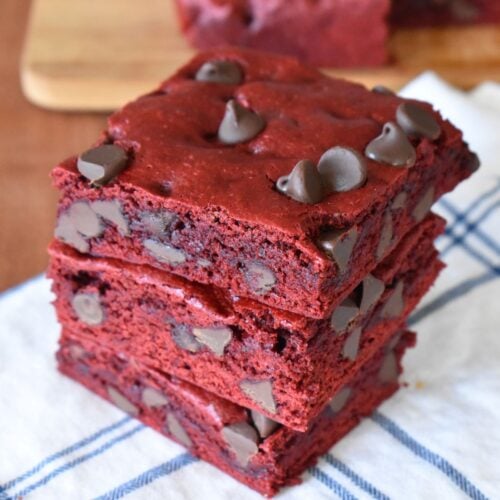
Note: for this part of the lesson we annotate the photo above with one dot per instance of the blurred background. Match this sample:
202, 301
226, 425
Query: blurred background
65, 65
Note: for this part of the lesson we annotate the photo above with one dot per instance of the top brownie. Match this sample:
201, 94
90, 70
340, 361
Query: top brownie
262, 176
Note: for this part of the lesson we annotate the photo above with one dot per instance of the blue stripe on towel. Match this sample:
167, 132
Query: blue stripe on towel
331, 484
355, 478
63, 452
429, 456
149, 476
77, 461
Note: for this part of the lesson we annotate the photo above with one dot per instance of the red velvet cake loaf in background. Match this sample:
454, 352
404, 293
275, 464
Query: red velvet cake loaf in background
261, 176
321, 32
416, 13
256, 451
262, 358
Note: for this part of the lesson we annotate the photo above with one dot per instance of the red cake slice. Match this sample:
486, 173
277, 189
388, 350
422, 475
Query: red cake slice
260, 176
256, 451
324, 33
281, 364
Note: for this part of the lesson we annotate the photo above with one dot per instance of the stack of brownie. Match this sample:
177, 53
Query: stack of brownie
236, 257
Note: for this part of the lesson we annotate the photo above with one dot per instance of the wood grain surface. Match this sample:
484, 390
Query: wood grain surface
98, 55
31, 141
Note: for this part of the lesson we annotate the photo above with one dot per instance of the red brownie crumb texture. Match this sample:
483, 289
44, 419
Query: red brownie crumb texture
417, 13
261, 176
281, 364
258, 452
325, 33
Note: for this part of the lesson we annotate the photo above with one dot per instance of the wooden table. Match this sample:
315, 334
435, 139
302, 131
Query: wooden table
31, 142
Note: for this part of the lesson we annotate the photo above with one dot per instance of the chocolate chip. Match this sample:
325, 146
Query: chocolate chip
239, 124
85, 220
389, 370
261, 392
303, 183
153, 398
182, 336
264, 425
111, 211
394, 306
338, 245
381, 89
351, 344
473, 162
243, 440
227, 72
155, 223
343, 315
122, 402
259, 277
392, 147
385, 236
340, 399
372, 290
101, 164
399, 201
417, 121
87, 307
424, 205
216, 338
66, 232
165, 253
342, 169
175, 428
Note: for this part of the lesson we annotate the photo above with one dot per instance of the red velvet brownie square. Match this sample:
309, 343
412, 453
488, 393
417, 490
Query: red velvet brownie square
281, 364
442, 12
253, 449
325, 32
260, 176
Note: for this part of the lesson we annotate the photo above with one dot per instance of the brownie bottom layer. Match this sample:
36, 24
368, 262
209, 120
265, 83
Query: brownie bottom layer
253, 449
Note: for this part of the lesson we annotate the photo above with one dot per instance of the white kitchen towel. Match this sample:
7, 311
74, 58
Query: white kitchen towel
437, 438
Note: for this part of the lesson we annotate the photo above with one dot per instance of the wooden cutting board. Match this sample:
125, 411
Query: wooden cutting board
97, 55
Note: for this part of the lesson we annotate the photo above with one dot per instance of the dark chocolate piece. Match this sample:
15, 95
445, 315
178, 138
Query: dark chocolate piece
339, 244
85, 220
399, 202
87, 307
243, 440
222, 71
111, 211
164, 253
264, 425
392, 147
175, 429
372, 290
386, 236
343, 315
389, 370
340, 399
395, 304
215, 338
153, 398
342, 169
182, 336
239, 124
261, 392
303, 183
423, 207
382, 89
351, 344
101, 164
66, 232
259, 277
122, 402
417, 121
